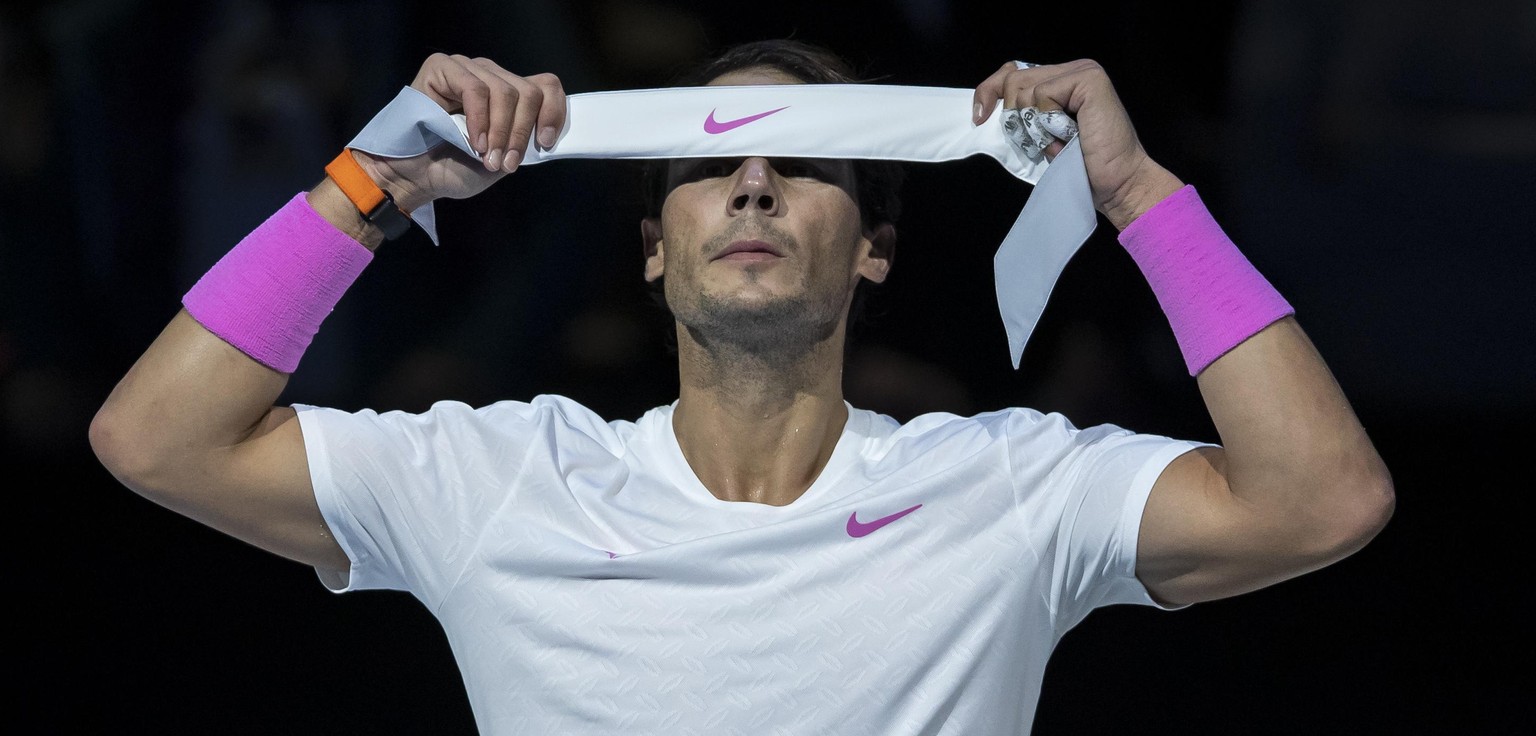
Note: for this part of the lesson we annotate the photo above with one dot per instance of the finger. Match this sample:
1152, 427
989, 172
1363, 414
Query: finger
518, 128
1013, 84
1019, 87
1054, 87
523, 123
453, 86
520, 123
552, 113
533, 112
458, 89
1057, 92
433, 81
1060, 98
1052, 150
499, 100
989, 92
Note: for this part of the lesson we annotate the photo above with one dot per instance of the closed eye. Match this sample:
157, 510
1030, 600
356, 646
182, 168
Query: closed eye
800, 169
715, 168
708, 168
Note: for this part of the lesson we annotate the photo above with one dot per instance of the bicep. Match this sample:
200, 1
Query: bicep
1198, 541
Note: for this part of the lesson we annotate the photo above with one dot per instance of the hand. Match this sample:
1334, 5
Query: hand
1125, 181
501, 111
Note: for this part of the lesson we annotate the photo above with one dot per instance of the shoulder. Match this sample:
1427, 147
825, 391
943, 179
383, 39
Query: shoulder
1028, 436
995, 425
944, 431
542, 413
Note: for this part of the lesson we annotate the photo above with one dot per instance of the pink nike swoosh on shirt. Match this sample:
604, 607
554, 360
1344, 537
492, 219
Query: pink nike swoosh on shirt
858, 529
715, 127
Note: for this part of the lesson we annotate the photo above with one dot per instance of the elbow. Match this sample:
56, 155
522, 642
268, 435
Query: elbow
116, 443
1365, 503
107, 439
1382, 501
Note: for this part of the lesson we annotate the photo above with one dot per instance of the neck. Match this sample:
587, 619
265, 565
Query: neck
759, 424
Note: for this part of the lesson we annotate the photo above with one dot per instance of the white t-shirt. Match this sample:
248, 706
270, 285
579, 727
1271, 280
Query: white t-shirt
589, 583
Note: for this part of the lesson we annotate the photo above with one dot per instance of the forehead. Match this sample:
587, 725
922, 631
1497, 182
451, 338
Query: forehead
755, 75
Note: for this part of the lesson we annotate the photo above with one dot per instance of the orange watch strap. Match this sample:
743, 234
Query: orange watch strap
354, 182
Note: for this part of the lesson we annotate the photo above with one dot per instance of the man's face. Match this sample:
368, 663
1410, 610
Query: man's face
755, 243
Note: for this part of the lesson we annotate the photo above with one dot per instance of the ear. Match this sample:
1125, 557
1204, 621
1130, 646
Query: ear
650, 236
879, 252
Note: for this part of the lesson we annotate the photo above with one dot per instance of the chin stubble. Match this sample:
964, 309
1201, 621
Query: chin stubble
774, 329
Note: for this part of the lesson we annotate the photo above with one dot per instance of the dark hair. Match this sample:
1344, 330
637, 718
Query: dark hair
878, 183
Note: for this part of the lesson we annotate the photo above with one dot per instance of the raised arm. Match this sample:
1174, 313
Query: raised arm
193, 426
1296, 484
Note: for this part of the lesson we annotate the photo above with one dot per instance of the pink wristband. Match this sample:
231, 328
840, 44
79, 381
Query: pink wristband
1213, 297
268, 295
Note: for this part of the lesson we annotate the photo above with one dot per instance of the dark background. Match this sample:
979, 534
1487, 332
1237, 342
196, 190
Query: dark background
1374, 159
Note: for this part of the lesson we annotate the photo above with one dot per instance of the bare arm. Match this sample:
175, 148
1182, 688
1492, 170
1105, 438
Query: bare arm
192, 425
225, 457
1297, 484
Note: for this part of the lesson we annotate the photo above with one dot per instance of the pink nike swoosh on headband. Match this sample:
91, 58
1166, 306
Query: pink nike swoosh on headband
858, 529
715, 127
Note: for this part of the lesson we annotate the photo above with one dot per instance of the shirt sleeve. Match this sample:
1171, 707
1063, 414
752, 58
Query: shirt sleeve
1083, 492
402, 493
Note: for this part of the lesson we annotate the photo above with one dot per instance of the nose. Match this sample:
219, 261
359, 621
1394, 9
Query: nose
756, 188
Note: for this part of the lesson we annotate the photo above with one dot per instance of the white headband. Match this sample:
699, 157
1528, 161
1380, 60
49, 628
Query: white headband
858, 121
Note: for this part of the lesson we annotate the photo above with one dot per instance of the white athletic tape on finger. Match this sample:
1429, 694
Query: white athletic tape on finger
1033, 131
1058, 124
852, 121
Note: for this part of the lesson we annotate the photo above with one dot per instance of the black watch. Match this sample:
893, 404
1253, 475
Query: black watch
389, 218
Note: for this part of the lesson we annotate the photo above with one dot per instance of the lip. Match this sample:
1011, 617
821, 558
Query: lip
749, 250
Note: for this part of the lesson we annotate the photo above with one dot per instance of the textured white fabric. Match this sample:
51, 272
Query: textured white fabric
589, 583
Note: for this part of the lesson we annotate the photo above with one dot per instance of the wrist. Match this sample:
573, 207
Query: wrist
331, 203
1141, 192
268, 295
377, 206
1213, 296
407, 196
